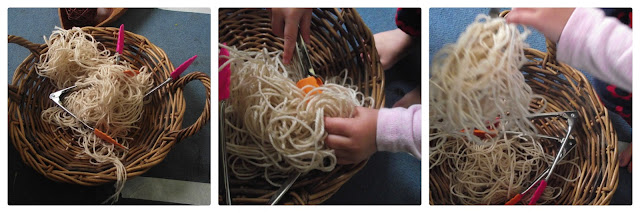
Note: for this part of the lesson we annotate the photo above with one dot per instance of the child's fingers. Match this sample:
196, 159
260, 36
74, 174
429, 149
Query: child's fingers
277, 25
337, 142
337, 126
340, 145
513, 17
523, 16
522, 9
625, 156
290, 37
305, 27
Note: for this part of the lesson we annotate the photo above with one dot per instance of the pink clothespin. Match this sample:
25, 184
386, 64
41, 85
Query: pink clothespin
120, 44
175, 74
224, 76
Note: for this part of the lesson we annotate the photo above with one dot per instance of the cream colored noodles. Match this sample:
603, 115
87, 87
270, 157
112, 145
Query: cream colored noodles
476, 84
105, 97
273, 127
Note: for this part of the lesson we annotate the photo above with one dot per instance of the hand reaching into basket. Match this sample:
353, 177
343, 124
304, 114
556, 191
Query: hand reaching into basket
370, 130
353, 139
549, 21
286, 22
586, 39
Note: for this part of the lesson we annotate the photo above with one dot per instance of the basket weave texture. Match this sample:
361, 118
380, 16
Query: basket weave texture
564, 88
51, 151
339, 40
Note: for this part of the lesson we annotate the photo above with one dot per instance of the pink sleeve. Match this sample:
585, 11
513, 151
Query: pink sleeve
399, 130
599, 45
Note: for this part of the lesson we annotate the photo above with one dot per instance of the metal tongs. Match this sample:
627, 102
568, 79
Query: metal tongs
494, 12
563, 153
303, 57
55, 97
305, 62
571, 117
312, 78
284, 188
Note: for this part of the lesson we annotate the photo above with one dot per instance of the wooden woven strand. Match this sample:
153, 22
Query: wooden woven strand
339, 40
564, 88
51, 152
204, 117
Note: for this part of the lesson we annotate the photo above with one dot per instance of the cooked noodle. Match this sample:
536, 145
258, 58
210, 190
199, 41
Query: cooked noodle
105, 97
476, 84
273, 127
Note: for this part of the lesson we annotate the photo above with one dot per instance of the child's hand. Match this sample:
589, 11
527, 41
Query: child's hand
353, 139
549, 21
285, 22
625, 158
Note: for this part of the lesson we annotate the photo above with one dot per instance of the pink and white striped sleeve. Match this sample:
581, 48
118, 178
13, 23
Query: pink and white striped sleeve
399, 130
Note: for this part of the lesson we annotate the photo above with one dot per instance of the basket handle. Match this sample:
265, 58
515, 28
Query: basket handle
14, 93
33, 47
550, 55
204, 117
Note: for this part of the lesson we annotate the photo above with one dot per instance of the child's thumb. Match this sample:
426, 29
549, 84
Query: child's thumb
514, 18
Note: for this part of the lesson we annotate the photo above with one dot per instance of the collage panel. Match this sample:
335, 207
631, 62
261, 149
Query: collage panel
326, 122
111, 107
530, 106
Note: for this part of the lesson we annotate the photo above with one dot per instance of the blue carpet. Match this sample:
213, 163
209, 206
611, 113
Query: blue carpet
181, 35
446, 25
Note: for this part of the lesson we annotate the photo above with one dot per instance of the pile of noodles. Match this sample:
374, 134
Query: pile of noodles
272, 127
105, 97
476, 84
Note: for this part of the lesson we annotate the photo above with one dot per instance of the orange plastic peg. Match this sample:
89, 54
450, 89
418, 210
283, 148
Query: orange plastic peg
107, 138
313, 81
131, 73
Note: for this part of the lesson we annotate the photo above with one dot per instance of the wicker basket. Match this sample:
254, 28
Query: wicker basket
565, 88
339, 39
52, 152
